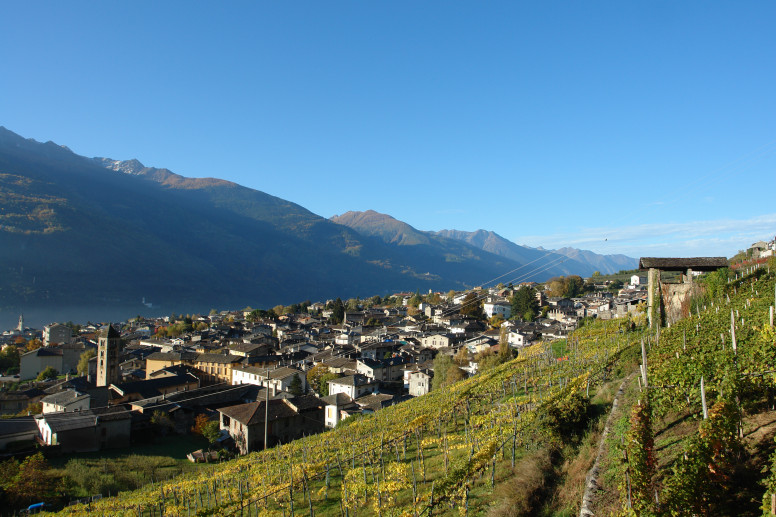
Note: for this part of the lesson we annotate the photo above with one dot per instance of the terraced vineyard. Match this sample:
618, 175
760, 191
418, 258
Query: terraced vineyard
440, 453
699, 439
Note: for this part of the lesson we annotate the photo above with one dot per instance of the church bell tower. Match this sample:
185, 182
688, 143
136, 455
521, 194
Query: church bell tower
108, 350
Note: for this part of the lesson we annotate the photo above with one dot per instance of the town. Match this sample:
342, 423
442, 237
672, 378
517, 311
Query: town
257, 378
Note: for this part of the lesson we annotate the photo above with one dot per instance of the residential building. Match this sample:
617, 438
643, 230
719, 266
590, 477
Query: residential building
85, 431
420, 382
67, 400
34, 362
277, 379
217, 368
286, 419
56, 333
500, 308
353, 386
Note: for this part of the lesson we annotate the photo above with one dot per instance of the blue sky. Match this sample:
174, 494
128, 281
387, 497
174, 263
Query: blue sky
640, 128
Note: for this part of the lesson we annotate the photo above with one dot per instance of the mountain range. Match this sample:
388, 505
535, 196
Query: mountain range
93, 237
537, 262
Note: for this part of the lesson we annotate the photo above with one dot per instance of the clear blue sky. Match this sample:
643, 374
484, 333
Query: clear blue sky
644, 128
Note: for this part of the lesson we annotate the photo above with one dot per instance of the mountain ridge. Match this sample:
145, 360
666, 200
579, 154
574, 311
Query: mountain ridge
105, 233
393, 231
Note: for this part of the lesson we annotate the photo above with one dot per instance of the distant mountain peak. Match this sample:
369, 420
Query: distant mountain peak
375, 224
164, 176
132, 166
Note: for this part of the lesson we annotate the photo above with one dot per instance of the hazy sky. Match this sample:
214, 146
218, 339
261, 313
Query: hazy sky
644, 128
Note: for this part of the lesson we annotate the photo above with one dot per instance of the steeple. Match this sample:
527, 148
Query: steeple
20, 328
108, 350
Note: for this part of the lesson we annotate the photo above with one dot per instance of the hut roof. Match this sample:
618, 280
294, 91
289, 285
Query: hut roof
683, 264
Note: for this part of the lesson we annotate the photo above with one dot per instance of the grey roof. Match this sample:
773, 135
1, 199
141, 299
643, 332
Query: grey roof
150, 387
339, 399
683, 264
10, 426
254, 412
277, 373
374, 401
306, 402
219, 358
64, 398
352, 380
59, 422
171, 356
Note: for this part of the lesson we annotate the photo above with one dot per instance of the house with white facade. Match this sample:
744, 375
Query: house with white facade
338, 407
353, 386
277, 380
57, 333
68, 400
420, 382
518, 339
501, 308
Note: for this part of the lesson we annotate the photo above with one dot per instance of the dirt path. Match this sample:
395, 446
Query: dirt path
591, 481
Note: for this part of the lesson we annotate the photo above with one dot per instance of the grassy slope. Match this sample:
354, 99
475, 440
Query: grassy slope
453, 446
701, 346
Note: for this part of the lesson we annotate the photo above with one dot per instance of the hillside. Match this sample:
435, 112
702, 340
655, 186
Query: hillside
721, 463
90, 238
457, 447
519, 439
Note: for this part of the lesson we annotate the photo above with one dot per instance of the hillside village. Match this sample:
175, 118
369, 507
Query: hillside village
300, 371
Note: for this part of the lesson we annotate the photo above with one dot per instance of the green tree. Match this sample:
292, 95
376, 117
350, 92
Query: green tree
295, 387
324, 383
9, 358
524, 302
211, 431
433, 298
574, 286
314, 375
338, 312
446, 372
48, 373
83, 361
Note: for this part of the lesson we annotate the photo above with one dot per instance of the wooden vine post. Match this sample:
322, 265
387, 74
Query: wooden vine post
703, 400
